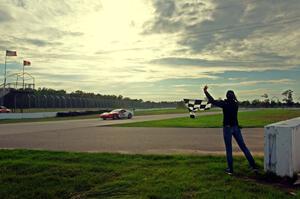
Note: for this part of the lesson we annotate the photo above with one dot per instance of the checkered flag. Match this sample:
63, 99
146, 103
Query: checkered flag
194, 105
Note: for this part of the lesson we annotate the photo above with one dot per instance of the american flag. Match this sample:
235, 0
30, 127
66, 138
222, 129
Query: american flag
11, 53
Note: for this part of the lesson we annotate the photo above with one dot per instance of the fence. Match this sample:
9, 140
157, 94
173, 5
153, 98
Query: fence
27, 99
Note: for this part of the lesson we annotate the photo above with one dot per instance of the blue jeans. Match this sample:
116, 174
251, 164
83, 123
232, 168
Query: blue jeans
235, 131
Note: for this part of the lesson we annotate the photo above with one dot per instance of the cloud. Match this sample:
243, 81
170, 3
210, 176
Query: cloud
144, 48
5, 17
220, 66
178, 61
231, 30
163, 21
175, 16
55, 33
255, 82
118, 50
37, 42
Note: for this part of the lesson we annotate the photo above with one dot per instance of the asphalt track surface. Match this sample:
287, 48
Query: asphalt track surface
93, 135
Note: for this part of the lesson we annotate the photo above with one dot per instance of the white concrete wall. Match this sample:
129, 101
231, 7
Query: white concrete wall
296, 145
282, 147
26, 115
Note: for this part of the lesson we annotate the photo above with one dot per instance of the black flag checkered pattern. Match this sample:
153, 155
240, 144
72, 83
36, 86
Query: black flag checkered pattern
194, 105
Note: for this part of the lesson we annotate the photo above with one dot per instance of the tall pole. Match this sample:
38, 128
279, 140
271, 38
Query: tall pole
23, 77
4, 73
4, 82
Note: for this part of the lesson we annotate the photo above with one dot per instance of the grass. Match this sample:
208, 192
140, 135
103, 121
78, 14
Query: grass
249, 119
159, 111
165, 111
43, 174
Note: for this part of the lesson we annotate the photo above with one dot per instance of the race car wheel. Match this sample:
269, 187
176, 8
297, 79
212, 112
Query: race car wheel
129, 116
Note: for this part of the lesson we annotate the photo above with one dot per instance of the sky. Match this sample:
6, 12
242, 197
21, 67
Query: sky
159, 50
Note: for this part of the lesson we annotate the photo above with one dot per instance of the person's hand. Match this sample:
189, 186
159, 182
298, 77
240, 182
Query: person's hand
205, 88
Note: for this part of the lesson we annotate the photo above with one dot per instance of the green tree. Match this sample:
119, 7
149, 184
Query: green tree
288, 97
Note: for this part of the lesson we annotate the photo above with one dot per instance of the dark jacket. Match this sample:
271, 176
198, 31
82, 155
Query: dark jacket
230, 110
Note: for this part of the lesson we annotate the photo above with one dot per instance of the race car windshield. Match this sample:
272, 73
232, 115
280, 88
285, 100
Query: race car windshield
116, 110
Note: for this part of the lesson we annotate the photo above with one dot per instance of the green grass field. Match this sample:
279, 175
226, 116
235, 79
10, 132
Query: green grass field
42, 174
249, 119
165, 111
159, 111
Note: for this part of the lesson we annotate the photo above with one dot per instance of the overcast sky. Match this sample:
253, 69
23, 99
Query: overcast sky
156, 50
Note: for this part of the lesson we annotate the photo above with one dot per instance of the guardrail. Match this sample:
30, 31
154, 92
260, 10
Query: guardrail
60, 113
49, 114
4, 116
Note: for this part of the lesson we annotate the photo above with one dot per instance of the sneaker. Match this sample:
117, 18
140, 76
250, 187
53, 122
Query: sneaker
228, 171
254, 169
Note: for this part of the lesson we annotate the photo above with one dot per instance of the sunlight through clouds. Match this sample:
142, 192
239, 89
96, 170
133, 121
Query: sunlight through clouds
141, 48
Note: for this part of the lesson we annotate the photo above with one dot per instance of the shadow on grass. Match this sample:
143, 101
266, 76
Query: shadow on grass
285, 184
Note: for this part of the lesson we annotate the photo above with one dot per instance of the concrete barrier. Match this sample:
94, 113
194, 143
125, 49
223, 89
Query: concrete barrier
27, 115
282, 147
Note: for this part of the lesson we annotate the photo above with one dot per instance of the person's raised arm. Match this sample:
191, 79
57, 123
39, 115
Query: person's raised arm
211, 100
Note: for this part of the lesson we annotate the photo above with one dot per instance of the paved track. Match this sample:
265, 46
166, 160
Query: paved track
92, 135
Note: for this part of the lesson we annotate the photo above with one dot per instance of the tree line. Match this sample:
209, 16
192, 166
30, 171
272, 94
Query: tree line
266, 101
273, 102
51, 98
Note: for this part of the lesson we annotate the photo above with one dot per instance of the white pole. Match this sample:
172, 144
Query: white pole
4, 82
23, 77
4, 72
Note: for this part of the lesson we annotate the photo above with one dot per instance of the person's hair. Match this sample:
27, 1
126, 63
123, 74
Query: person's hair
231, 96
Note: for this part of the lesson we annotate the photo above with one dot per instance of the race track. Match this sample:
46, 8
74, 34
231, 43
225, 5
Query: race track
92, 135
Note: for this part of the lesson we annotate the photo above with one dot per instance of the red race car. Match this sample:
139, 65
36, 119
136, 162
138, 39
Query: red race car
3, 109
117, 114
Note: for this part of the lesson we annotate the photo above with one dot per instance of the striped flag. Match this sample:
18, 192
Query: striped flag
26, 63
11, 53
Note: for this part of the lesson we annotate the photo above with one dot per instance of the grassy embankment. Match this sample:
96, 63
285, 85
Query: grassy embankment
42, 174
250, 119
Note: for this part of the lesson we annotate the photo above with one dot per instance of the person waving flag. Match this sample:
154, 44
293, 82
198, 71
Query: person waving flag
231, 128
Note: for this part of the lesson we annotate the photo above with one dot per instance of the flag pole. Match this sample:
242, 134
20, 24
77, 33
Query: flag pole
5, 71
4, 82
23, 77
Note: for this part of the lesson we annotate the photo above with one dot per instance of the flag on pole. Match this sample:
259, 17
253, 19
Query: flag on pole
194, 105
11, 53
26, 63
